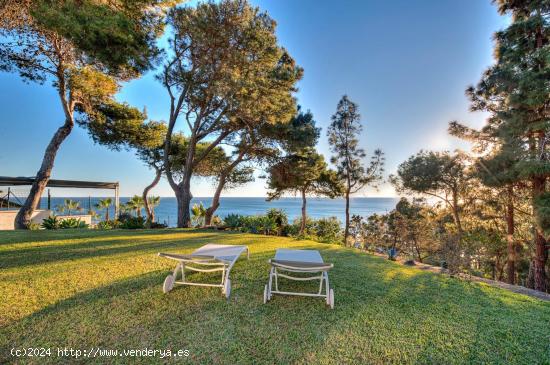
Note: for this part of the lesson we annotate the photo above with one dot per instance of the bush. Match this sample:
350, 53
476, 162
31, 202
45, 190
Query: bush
217, 221
157, 225
280, 218
328, 230
133, 223
52, 222
105, 225
234, 221
268, 225
294, 228
71, 223
251, 224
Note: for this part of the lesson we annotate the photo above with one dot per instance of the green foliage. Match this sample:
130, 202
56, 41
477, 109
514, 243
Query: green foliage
135, 204
305, 173
294, 228
105, 204
198, 213
542, 204
343, 134
33, 226
328, 230
157, 225
251, 83
132, 223
280, 218
52, 222
72, 223
70, 206
233, 221
120, 34
433, 173
107, 225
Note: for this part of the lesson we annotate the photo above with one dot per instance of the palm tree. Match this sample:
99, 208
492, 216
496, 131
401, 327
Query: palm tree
198, 212
153, 202
136, 204
105, 204
71, 205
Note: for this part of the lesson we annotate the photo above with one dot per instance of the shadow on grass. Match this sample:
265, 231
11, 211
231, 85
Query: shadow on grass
104, 246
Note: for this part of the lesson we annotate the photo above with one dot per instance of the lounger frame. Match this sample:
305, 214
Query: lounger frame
201, 263
283, 269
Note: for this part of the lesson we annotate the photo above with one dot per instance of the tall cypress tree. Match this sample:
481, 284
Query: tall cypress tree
516, 90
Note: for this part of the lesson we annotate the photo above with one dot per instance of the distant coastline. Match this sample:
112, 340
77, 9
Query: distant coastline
316, 207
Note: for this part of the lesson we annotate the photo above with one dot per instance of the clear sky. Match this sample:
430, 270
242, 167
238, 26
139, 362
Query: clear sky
406, 63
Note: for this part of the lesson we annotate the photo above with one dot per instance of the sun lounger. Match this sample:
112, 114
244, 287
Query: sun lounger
208, 258
299, 261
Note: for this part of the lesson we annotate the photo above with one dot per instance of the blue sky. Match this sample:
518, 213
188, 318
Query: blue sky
406, 63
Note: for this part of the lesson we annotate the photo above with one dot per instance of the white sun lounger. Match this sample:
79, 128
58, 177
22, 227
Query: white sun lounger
299, 261
208, 258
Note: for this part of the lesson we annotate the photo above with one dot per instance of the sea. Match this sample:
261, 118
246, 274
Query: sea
166, 211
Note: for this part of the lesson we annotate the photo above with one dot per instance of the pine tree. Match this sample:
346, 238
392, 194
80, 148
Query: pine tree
343, 136
516, 90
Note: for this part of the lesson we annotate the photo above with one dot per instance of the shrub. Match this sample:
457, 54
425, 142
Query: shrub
157, 225
33, 226
133, 223
280, 218
268, 225
69, 223
294, 228
234, 221
217, 221
105, 225
328, 230
52, 222
251, 224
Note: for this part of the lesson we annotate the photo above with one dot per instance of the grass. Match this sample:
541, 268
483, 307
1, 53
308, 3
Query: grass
85, 289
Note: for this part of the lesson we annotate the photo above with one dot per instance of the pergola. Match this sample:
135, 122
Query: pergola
53, 183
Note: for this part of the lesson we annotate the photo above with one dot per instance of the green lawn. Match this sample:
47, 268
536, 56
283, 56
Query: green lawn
103, 289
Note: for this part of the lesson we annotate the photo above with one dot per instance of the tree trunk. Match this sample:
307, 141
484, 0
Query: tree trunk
221, 184
456, 214
346, 229
184, 197
511, 265
215, 202
148, 209
107, 214
23, 218
417, 250
304, 215
540, 241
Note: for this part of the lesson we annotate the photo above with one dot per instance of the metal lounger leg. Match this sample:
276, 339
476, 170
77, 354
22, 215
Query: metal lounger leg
321, 284
270, 282
175, 273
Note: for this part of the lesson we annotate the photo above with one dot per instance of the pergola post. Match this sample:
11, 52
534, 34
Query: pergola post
117, 202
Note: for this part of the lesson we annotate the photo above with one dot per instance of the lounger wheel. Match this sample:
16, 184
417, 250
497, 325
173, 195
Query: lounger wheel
168, 283
330, 298
227, 288
266, 295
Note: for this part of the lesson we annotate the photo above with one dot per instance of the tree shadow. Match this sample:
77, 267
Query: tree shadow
104, 246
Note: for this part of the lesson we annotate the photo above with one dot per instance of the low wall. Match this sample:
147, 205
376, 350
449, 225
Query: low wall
86, 218
7, 218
